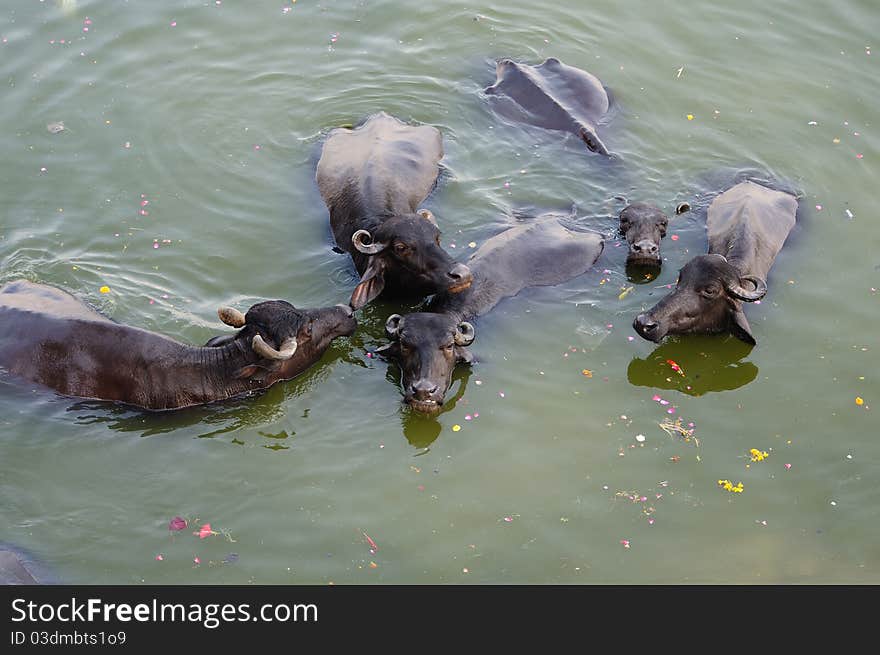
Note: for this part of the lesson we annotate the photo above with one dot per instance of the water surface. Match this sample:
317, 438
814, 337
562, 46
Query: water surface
184, 179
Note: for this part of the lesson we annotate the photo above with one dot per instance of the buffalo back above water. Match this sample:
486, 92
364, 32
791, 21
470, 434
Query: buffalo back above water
373, 179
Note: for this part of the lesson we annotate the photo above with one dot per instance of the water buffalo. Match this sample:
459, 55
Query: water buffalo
428, 345
747, 226
552, 95
49, 337
372, 179
643, 226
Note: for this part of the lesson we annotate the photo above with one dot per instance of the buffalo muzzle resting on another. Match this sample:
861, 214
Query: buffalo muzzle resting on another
428, 345
49, 337
373, 179
747, 226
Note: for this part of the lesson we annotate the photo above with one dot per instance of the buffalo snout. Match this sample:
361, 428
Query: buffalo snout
648, 328
461, 277
645, 249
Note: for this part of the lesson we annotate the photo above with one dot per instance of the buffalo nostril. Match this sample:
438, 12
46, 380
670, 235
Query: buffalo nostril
645, 324
423, 389
460, 273
645, 247
457, 273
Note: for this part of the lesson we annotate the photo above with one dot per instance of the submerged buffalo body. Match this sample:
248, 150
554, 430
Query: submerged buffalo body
747, 226
552, 95
49, 337
428, 345
373, 179
16, 568
643, 226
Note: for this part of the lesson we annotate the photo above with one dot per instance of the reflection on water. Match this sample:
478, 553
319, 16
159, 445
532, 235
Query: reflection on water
641, 273
420, 430
251, 410
695, 365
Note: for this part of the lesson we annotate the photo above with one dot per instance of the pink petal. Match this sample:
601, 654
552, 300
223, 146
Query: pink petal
177, 523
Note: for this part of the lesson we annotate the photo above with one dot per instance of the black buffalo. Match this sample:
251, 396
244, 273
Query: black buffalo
49, 337
428, 345
747, 226
553, 95
643, 226
373, 179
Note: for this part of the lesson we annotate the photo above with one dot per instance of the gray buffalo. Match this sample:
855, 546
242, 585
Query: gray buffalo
373, 179
747, 226
17, 568
49, 337
553, 95
428, 345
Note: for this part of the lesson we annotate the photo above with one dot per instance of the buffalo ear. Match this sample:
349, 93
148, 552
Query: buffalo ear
463, 355
371, 284
388, 350
739, 327
221, 340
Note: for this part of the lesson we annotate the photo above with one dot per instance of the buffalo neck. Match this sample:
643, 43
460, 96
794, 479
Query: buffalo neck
740, 248
156, 372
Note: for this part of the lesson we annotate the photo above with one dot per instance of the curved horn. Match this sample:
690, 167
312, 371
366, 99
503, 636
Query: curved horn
392, 325
357, 240
737, 291
231, 316
464, 334
265, 350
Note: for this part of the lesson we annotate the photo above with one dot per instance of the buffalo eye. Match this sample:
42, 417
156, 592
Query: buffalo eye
437, 240
401, 248
405, 349
710, 291
448, 347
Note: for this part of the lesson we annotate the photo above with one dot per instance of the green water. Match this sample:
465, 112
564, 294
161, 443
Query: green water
215, 112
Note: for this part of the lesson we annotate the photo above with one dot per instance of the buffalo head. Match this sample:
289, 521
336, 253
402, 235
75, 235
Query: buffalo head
286, 340
405, 254
707, 298
427, 347
644, 226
